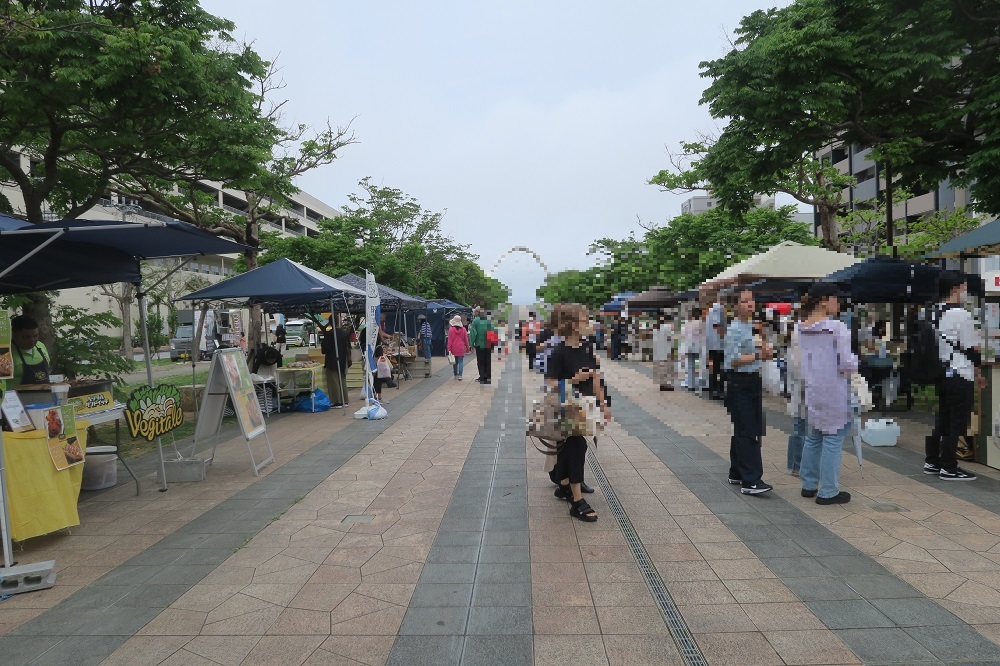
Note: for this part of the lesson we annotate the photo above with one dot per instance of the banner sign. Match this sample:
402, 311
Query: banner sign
92, 402
6, 356
153, 411
60, 435
373, 316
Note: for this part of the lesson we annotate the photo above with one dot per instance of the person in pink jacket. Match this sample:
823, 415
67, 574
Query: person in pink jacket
458, 345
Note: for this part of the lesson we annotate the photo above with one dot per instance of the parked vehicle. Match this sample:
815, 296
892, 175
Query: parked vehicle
220, 330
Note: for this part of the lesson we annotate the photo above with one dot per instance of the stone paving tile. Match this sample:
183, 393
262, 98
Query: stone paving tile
922, 554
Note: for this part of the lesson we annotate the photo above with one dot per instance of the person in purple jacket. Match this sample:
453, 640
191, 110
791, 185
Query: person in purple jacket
827, 363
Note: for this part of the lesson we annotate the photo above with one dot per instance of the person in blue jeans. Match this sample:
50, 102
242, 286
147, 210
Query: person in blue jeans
827, 365
425, 339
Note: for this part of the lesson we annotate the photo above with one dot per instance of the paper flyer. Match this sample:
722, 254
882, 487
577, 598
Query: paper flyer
60, 426
13, 411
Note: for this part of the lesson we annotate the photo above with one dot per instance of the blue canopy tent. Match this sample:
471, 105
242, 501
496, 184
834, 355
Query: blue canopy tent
279, 283
617, 303
83, 253
438, 314
393, 301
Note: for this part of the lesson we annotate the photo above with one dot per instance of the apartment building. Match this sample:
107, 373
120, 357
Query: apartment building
700, 204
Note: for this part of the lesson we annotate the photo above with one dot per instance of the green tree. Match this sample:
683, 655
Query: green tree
94, 92
880, 74
687, 251
387, 232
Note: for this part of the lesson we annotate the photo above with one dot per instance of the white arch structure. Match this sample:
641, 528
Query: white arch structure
519, 248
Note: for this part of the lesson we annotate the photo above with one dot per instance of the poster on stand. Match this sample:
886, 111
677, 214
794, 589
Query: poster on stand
6, 356
241, 392
152, 411
13, 412
60, 436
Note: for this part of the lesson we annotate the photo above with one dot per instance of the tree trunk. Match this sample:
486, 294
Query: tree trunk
256, 323
39, 306
828, 227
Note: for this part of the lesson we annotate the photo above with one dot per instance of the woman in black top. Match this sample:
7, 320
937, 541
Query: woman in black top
573, 361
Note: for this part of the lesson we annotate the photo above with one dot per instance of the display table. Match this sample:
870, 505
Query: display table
292, 381
42, 498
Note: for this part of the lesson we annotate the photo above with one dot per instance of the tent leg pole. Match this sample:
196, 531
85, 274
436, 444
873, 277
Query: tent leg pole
143, 321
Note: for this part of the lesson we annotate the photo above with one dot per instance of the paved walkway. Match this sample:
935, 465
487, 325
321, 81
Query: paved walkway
433, 538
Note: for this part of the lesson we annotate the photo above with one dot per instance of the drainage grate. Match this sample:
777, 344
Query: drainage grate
678, 629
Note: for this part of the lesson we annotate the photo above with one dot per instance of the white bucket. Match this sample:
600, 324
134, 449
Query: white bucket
880, 432
100, 468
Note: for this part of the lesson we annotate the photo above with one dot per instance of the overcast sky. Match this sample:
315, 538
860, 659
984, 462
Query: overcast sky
533, 123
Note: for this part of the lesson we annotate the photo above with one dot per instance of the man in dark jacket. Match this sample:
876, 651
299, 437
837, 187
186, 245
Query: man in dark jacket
337, 349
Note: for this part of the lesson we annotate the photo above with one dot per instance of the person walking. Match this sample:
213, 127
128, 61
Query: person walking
744, 398
336, 348
478, 329
425, 341
458, 345
715, 332
573, 362
692, 333
796, 404
529, 334
958, 349
826, 363
663, 354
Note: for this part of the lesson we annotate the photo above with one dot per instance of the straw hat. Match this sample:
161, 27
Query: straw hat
456, 320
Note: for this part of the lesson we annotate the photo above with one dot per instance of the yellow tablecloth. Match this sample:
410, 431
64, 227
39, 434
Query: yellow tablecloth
42, 498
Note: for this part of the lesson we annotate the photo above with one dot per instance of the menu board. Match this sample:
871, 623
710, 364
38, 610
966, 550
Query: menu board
60, 435
242, 394
13, 411
6, 358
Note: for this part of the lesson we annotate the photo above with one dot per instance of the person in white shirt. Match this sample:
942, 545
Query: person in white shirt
663, 354
715, 331
958, 348
692, 334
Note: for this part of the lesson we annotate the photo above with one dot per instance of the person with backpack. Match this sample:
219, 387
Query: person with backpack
479, 332
956, 369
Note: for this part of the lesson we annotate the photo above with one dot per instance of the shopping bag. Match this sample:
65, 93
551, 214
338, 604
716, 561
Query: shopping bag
770, 375
451, 358
861, 392
383, 370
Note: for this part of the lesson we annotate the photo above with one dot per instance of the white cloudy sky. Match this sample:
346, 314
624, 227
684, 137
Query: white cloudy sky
534, 123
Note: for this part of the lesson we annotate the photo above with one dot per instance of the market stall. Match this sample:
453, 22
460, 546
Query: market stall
59, 255
787, 260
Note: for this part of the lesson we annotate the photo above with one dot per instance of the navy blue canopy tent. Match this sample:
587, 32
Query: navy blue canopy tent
438, 314
281, 282
390, 298
84, 253
882, 279
60, 264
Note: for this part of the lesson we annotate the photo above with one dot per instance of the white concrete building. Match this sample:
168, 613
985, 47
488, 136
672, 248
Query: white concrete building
299, 219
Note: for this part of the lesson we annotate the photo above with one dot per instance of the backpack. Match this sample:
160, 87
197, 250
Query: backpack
926, 366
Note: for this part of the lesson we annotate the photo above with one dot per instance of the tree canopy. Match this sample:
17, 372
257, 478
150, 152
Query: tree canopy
389, 233
919, 82
690, 249
92, 92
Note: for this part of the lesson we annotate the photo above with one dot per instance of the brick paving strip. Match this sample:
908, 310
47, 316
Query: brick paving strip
207, 522
330, 579
851, 565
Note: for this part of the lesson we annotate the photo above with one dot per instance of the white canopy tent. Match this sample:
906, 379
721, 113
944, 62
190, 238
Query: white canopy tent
787, 260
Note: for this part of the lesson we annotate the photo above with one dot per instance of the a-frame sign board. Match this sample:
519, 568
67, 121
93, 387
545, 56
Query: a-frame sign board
228, 376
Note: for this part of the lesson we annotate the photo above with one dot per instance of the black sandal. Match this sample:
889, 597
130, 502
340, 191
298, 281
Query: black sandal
584, 488
563, 493
583, 511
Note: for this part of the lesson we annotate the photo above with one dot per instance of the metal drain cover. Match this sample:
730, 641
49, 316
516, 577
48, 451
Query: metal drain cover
889, 508
357, 519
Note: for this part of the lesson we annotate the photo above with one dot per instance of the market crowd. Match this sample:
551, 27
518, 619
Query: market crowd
730, 350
